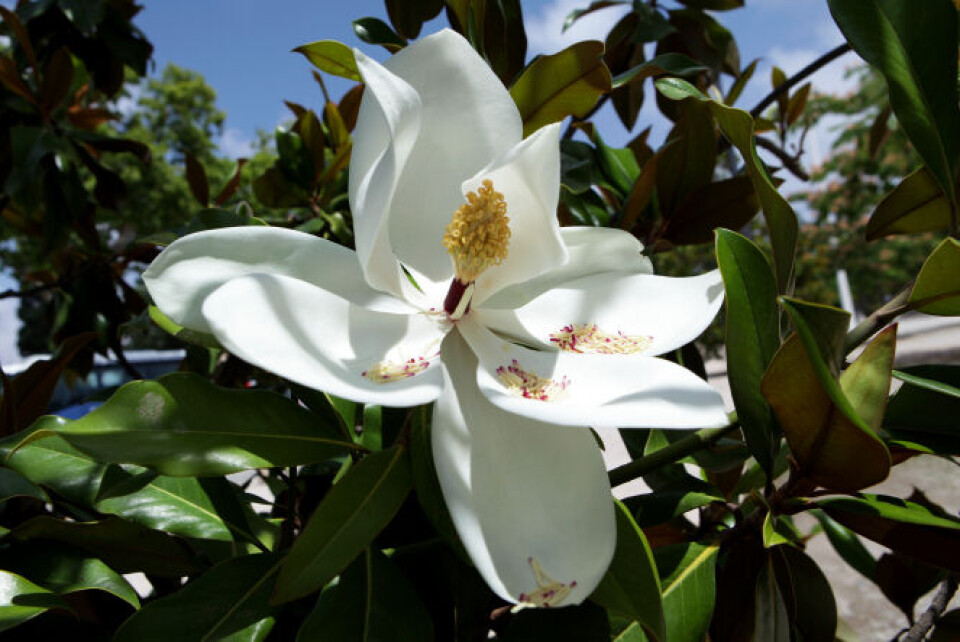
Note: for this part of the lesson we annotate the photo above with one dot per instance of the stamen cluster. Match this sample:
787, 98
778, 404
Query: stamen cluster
479, 233
530, 385
590, 339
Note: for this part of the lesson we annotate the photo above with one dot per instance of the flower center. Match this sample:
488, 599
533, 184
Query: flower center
549, 592
530, 385
476, 239
590, 339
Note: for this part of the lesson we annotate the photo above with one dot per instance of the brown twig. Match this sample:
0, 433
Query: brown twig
800, 76
790, 163
22, 294
929, 618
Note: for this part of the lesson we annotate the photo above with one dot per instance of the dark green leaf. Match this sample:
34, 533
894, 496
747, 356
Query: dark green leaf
576, 14
916, 51
752, 337
713, 5
183, 425
669, 64
228, 598
772, 622
848, 546
408, 16
124, 546
332, 57
560, 85
928, 401
807, 595
376, 32
586, 622
631, 586
578, 166
64, 569
737, 126
373, 602
14, 485
671, 500
901, 525
354, 511
688, 589
21, 599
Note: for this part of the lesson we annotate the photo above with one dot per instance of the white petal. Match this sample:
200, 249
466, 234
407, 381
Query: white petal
194, 266
528, 176
322, 341
591, 250
593, 389
467, 120
670, 312
519, 489
387, 128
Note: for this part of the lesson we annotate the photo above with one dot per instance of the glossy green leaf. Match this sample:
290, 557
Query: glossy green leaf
752, 337
668, 64
331, 56
21, 599
916, 51
12, 484
737, 126
689, 589
65, 569
179, 505
563, 84
917, 204
631, 586
671, 500
48, 461
124, 546
355, 510
941, 378
373, 602
848, 545
901, 525
376, 32
183, 425
228, 598
682, 167
808, 598
937, 289
578, 166
775, 532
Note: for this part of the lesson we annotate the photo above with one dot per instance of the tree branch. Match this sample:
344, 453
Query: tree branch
22, 294
674, 452
930, 617
790, 163
800, 76
877, 320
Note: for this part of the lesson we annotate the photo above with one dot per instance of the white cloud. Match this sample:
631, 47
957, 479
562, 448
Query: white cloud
545, 33
235, 144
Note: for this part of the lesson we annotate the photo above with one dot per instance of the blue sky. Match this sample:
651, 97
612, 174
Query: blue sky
243, 49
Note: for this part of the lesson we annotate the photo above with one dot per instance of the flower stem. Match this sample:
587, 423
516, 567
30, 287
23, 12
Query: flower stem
676, 451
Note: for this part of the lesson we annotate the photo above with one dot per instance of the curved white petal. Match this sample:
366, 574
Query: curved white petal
519, 489
591, 250
387, 128
528, 176
322, 341
467, 120
592, 389
664, 312
194, 266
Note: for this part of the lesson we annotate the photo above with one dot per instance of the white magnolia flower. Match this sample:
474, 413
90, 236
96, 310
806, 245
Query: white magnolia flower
522, 332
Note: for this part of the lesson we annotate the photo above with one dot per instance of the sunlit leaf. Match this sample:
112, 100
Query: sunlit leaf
21, 599
560, 85
354, 511
916, 204
687, 572
937, 290
332, 57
